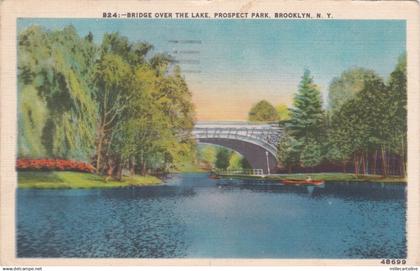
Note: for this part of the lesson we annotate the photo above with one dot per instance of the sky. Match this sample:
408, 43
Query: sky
230, 65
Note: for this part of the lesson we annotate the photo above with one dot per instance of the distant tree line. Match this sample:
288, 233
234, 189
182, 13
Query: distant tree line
215, 157
264, 111
114, 104
364, 125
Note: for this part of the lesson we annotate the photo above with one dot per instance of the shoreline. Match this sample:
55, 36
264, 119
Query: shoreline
78, 180
327, 177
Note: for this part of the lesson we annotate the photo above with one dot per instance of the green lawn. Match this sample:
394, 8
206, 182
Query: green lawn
331, 177
67, 179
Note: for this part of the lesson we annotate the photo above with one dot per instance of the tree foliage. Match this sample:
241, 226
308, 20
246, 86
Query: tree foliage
207, 154
153, 112
372, 126
114, 103
288, 151
302, 144
222, 158
311, 154
347, 85
283, 113
235, 162
366, 124
54, 69
307, 120
263, 111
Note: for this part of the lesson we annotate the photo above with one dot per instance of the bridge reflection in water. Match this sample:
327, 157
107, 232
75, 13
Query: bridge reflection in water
257, 142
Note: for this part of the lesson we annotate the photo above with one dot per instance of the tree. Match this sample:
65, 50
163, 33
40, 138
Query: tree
153, 124
350, 131
338, 154
235, 161
311, 154
362, 126
288, 152
112, 79
283, 112
397, 111
222, 158
32, 116
59, 120
208, 154
307, 120
262, 111
347, 85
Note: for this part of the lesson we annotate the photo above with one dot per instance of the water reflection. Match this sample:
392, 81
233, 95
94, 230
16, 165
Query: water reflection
351, 189
165, 191
194, 216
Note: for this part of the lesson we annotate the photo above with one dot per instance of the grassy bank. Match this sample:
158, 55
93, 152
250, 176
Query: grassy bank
188, 167
330, 177
67, 179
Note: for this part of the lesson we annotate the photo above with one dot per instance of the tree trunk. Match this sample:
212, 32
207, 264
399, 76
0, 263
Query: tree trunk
356, 165
367, 162
110, 169
118, 169
132, 166
99, 151
363, 163
143, 169
384, 163
389, 158
391, 164
403, 164
119, 172
403, 168
375, 157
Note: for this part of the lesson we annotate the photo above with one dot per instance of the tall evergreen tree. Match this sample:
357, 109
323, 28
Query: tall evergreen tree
307, 116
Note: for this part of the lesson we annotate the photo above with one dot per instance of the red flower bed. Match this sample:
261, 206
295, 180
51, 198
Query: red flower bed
53, 164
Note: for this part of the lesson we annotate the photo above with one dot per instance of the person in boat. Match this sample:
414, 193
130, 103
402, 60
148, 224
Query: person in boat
308, 179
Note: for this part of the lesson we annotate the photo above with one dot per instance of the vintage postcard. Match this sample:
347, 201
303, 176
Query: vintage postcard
210, 132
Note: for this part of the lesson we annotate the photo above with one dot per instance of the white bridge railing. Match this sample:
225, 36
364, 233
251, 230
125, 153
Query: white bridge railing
250, 172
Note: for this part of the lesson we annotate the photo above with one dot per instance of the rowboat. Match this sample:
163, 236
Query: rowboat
302, 182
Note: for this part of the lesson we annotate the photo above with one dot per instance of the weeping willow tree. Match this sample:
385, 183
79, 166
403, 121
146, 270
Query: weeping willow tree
56, 109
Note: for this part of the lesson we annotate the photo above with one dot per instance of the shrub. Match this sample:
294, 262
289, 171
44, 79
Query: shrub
53, 164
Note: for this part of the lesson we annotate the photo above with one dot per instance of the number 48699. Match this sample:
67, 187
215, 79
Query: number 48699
393, 261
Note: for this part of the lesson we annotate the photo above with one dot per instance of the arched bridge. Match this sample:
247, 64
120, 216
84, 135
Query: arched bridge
255, 141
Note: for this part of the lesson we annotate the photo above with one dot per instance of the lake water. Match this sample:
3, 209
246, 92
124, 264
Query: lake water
197, 217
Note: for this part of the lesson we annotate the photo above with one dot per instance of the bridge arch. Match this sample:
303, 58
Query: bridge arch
255, 141
257, 156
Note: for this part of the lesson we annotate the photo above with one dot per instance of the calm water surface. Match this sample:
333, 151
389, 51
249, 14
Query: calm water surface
194, 216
